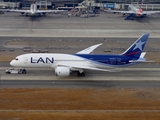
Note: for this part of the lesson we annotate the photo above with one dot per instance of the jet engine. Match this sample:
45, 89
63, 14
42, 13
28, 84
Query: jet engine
22, 13
44, 13
62, 71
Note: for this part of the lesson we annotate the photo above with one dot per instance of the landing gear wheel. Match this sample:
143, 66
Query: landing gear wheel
81, 74
24, 72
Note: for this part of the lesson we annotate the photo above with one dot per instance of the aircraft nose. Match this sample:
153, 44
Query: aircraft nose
12, 63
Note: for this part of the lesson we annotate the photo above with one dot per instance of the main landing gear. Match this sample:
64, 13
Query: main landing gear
81, 74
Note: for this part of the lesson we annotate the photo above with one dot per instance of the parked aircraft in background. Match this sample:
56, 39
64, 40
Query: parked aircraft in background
133, 11
4, 10
34, 11
64, 64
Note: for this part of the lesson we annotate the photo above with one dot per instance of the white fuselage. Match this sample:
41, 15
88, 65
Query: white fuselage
51, 60
47, 60
33, 9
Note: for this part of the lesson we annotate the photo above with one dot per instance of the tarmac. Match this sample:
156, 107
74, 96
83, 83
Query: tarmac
123, 74
105, 25
128, 93
51, 25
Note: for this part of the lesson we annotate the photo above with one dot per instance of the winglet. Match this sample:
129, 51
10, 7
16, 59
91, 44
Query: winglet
89, 49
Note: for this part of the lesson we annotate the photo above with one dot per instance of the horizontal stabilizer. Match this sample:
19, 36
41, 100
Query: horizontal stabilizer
141, 60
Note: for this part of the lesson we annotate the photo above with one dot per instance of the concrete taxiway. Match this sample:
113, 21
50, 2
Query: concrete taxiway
132, 90
106, 24
128, 78
124, 74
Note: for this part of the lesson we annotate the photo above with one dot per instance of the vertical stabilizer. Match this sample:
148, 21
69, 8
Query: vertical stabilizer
137, 47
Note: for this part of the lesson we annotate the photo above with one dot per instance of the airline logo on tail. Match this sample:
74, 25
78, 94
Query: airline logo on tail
137, 47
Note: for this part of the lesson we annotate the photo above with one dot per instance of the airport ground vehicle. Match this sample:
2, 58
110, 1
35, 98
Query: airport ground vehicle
14, 71
1, 12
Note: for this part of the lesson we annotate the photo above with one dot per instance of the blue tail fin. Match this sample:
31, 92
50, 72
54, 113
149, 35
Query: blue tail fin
137, 47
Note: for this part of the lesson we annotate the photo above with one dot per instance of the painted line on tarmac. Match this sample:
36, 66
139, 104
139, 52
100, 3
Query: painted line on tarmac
77, 33
79, 110
132, 69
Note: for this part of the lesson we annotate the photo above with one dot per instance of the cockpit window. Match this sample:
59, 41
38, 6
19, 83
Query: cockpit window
15, 58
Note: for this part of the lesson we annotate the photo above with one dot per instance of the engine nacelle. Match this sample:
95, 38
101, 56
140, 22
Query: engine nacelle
62, 71
22, 13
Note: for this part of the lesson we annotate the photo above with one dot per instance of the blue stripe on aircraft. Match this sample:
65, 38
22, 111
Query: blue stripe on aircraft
132, 53
107, 60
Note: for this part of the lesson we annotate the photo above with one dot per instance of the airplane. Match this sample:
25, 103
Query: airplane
64, 64
34, 11
133, 11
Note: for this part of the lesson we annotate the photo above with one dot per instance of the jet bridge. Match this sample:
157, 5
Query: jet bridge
4, 5
43, 4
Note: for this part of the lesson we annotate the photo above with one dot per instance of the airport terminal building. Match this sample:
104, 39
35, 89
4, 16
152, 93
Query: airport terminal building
107, 1
51, 4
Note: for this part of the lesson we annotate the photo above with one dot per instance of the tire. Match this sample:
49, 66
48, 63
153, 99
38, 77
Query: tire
81, 74
24, 72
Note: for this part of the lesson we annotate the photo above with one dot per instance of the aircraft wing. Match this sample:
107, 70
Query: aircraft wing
50, 11
25, 11
83, 67
150, 12
132, 12
90, 68
77, 67
89, 49
119, 11
5, 10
